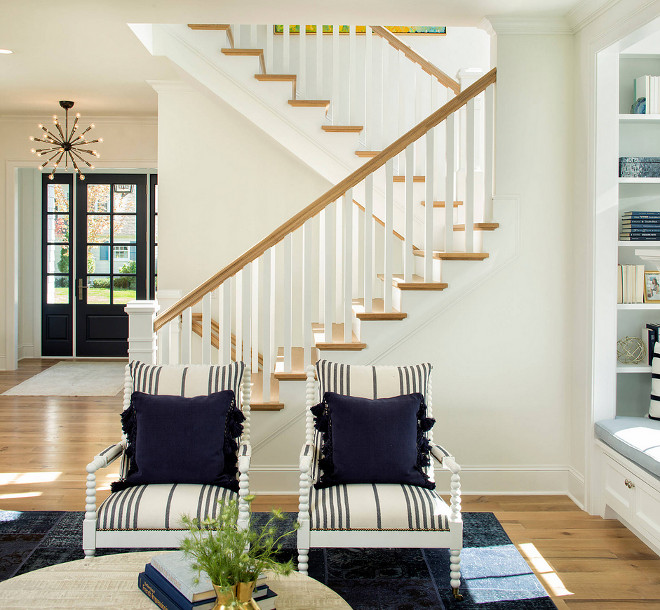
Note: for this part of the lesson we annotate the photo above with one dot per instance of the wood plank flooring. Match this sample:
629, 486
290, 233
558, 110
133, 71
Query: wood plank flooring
584, 562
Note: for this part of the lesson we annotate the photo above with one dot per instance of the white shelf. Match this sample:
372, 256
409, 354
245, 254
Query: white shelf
638, 306
633, 368
639, 118
639, 244
639, 180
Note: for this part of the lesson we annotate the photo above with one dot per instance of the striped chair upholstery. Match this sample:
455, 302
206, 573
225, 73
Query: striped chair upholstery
159, 507
377, 508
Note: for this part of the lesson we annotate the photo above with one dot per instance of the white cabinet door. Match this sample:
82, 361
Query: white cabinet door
619, 488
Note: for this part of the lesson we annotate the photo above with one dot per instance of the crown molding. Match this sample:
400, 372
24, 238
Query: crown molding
532, 26
586, 11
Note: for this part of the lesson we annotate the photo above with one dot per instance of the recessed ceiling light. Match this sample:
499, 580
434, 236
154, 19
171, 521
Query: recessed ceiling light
5, 52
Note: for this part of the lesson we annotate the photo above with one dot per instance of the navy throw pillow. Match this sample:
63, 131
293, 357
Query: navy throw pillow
172, 439
379, 440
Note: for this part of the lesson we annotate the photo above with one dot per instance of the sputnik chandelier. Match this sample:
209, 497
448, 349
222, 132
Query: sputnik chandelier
65, 145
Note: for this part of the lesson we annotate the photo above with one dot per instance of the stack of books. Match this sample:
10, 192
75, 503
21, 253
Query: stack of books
169, 581
640, 226
649, 88
630, 287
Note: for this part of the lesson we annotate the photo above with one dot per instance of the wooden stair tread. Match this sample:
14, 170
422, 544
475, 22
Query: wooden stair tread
377, 311
417, 283
297, 371
209, 26
337, 342
257, 401
276, 77
455, 256
479, 226
441, 204
415, 178
342, 128
309, 103
248, 53
367, 153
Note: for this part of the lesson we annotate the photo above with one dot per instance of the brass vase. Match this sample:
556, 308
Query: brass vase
242, 593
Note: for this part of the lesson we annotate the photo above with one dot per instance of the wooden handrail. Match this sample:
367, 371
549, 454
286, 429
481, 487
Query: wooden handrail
424, 64
295, 222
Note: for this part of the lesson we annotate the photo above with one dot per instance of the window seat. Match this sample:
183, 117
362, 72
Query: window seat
636, 438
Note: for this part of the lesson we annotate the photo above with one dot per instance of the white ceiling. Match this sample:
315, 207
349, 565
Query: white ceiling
84, 50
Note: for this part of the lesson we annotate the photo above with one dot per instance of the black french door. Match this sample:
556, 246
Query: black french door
111, 257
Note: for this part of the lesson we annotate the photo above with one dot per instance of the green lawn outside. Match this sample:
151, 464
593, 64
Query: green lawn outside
97, 296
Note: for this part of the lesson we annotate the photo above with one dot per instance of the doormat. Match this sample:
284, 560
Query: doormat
494, 574
74, 379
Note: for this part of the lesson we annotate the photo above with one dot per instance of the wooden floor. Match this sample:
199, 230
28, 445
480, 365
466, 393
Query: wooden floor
584, 562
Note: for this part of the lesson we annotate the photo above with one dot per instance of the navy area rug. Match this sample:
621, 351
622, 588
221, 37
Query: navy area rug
494, 574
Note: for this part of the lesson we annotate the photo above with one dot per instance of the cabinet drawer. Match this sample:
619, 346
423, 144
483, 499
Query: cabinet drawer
619, 488
647, 509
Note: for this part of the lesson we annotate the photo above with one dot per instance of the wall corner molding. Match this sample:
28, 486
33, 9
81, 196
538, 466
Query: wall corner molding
165, 86
586, 11
526, 25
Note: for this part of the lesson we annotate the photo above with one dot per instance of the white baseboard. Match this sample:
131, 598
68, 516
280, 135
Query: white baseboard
3, 363
576, 490
475, 480
26, 351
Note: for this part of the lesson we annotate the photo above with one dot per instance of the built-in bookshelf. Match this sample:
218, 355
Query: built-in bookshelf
639, 136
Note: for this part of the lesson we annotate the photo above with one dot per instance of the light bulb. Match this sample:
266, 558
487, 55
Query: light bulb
91, 167
31, 138
92, 126
33, 151
101, 140
41, 126
38, 154
55, 117
82, 177
51, 176
77, 115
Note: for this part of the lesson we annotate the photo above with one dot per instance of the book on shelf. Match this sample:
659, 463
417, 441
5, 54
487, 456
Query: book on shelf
165, 596
640, 236
648, 224
630, 284
652, 336
635, 214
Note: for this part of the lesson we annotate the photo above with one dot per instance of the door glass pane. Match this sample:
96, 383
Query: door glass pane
57, 228
123, 228
123, 289
98, 290
156, 228
123, 198
123, 259
98, 228
57, 289
58, 198
98, 259
98, 197
57, 259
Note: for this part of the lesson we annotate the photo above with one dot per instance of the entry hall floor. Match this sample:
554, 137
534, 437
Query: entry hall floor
584, 562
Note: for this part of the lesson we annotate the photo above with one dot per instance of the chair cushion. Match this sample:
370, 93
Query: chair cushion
372, 381
373, 440
159, 507
180, 440
377, 507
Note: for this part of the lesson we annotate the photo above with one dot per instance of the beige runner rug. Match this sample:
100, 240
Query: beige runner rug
74, 379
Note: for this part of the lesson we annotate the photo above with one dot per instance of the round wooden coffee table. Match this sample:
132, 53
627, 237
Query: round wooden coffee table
111, 582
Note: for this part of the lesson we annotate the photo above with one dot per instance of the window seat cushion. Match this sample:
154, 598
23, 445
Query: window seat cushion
636, 438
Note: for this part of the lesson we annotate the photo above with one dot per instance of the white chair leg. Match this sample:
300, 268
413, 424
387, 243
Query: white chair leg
303, 560
89, 524
455, 573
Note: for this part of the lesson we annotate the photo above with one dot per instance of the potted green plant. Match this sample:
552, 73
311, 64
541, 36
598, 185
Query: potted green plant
234, 558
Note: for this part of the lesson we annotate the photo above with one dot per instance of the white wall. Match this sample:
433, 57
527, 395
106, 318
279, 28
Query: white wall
128, 143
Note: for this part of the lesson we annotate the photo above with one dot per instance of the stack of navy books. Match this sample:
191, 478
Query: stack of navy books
640, 226
169, 581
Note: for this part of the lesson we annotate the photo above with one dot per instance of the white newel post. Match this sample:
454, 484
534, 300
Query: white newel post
141, 336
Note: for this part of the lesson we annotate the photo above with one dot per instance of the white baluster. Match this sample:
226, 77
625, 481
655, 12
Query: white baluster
368, 242
419, 115
352, 97
368, 87
319, 62
287, 309
389, 226
348, 266
164, 344
225, 325
307, 292
186, 336
329, 276
403, 93
408, 258
488, 152
270, 59
376, 110
393, 116
301, 81
450, 192
253, 37
266, 309
254, 315
385, 105
469, 186
246, 314
336, 84
237, 35
206, 328
286, 50
428, 210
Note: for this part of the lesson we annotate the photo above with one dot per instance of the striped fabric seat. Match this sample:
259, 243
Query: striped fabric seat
372, 381
159, 507
377, 508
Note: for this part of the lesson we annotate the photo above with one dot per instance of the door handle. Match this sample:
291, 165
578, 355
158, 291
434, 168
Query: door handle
80, 289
